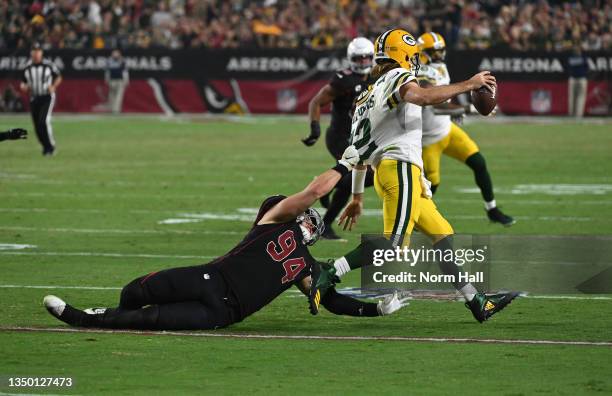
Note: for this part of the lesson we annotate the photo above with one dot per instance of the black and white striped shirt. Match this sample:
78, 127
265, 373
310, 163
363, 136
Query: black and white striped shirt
39, 76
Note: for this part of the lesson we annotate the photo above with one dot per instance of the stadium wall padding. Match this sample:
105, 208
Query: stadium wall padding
283, 81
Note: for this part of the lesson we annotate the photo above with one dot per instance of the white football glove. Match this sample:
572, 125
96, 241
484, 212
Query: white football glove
393, 303
425, 187
350, 157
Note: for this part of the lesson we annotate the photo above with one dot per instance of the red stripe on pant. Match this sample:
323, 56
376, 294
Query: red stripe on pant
147, 277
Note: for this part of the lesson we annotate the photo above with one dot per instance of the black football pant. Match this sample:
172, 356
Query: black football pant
41, 108
186, 298
336, 144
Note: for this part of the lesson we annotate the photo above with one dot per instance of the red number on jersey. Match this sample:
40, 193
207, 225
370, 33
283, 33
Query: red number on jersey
293, 267
287, 245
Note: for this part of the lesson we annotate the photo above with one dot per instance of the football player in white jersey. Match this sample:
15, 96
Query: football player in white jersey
387, 132
442, 136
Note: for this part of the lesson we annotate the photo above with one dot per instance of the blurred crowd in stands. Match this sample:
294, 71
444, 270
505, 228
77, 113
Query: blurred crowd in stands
320, 24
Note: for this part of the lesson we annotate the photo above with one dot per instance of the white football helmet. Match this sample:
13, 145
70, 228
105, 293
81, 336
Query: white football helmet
312, 226
360, 53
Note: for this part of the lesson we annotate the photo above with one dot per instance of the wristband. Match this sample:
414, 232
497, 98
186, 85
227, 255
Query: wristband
315, 128
342, 169
359, 176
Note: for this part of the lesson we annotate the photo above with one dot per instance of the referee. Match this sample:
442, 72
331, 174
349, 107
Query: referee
41, 79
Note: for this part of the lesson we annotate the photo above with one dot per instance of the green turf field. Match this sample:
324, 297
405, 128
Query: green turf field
127, 196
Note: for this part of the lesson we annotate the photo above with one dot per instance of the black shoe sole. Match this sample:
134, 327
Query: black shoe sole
507, 225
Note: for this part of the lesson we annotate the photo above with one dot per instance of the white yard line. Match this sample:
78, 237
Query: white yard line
58, 287
312, 337
100, 254
118, 231
297, 293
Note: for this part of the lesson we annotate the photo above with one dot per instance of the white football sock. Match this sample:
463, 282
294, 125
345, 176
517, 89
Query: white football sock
341, 266
490, 205
468, 292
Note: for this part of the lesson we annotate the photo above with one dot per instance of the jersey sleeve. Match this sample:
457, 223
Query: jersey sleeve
428, 74
23, 76
55, 73
394, 83
266, 205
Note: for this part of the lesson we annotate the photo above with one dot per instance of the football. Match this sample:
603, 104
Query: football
484, 100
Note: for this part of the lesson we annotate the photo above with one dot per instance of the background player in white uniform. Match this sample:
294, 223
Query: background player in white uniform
387, 132
442, 136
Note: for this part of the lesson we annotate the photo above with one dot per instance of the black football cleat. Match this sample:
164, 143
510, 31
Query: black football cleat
62, 311
483, 306
330, 234
497, 216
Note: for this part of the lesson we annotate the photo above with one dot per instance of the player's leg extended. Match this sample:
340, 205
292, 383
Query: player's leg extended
464, 149
167, 286
399, 186
394, 182
180, 298
431, 161
433, 224
187, 315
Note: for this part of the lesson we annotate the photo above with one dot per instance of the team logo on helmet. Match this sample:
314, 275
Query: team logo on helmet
408, 39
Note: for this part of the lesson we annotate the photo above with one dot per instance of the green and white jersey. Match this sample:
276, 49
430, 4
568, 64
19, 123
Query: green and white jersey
383, 125
435, 127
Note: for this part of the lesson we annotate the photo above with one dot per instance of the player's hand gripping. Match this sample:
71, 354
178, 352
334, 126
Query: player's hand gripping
393, 303
483, 79
17, 133
315, 133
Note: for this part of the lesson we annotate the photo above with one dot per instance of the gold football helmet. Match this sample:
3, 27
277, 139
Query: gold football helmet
400, 46
432, 48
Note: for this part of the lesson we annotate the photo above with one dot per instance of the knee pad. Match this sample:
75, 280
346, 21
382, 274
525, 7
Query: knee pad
476, 162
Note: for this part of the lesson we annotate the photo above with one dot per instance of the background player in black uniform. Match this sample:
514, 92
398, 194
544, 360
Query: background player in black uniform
342, 89
14, 134
270, 259
41, 79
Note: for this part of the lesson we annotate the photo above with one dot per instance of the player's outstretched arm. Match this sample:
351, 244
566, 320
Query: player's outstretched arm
14, 134
411, 92
296, 204
325, 96
339, 304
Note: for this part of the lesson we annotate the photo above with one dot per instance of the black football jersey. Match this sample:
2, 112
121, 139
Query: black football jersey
347, 86
268, 261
